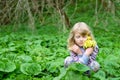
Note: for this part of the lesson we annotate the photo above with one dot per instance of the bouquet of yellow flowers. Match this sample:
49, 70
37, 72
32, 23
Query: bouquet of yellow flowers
89, 43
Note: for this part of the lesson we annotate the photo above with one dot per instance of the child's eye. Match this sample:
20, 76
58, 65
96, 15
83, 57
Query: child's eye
77, 36
84, 36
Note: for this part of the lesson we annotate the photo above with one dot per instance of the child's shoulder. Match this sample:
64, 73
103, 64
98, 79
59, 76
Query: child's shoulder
96, 48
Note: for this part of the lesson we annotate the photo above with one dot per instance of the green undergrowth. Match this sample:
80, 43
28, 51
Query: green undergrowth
40, 56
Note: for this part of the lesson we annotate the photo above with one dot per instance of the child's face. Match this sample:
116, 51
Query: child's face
79, 39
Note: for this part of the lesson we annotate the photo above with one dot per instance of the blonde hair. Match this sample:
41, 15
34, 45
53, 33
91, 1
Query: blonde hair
82, 28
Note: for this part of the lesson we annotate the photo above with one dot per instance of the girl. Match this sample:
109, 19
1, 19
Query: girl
78, 53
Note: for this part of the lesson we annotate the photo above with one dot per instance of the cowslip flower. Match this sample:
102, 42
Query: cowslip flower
89, 43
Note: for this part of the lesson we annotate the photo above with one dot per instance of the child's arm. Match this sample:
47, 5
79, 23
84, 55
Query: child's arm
74, 52
88, 51
86, 55
95, 52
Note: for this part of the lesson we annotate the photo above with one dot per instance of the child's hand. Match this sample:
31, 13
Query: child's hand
89, 51
89, 43
75, 49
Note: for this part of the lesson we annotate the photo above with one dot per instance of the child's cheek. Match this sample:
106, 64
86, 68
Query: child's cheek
85, 39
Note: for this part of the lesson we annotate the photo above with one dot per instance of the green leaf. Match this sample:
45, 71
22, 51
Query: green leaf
118, 78
55, 65
12, 49
2, 66
73, 72
78, 67
30, 68
74, 75
25, 58
7, 66
11, 57
100, 75
62, 74
23, 68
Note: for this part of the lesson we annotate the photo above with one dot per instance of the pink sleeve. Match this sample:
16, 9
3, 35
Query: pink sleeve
74, 56
95, 52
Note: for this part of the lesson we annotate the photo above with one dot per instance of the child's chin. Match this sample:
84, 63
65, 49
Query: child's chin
81, 45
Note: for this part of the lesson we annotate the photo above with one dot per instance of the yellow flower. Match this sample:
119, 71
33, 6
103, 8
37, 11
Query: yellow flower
89, 43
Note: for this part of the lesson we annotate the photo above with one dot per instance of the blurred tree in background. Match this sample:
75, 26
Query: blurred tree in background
55, 12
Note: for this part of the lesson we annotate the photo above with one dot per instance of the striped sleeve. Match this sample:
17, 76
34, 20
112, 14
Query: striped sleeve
74, 56
95, 52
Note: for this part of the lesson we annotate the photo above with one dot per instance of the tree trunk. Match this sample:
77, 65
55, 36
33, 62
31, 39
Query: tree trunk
108, 6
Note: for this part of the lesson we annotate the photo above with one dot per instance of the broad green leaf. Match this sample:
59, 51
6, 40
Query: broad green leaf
100, 75
74, 75
7, 66
24, 67
55, 65
62, 74
73, 72
78, 67
117, 78
2, 66
11, 56
30, 68
25, 58
12, 49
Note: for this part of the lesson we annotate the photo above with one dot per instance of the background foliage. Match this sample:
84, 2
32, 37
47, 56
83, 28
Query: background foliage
33, 38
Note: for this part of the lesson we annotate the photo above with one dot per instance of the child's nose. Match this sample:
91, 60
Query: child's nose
81, 38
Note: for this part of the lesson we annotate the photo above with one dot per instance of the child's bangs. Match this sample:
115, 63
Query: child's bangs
83, 33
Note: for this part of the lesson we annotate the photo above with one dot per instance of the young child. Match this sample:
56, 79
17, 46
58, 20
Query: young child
79, 52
